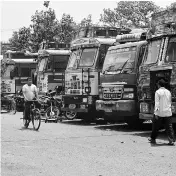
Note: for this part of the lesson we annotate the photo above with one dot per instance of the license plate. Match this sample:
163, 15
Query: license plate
108, 110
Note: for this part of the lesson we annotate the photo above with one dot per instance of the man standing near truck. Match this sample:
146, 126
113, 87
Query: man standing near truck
162, 113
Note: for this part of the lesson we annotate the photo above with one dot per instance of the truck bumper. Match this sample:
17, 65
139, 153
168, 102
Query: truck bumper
147, 111
78, 103
118, 108
75, 110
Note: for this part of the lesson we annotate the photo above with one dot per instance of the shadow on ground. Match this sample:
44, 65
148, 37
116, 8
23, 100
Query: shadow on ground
124, 127
78, 122
28, 129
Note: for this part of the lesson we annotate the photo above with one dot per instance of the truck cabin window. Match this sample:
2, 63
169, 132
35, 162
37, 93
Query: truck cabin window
100, 33
25, 72
152, 52
60, 62
120, 59
171, 51
41, 64
112, 33
74, 57
88, 57
49, 64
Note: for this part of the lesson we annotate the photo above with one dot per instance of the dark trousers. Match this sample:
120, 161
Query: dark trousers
27, 105
167, 121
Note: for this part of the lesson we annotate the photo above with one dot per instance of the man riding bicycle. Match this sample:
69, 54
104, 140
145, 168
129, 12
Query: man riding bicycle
30, 92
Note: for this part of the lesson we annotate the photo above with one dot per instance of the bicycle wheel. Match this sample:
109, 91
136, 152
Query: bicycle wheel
36, 119
13, 108
52, 115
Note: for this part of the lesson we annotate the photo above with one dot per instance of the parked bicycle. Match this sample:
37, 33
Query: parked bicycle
34, 116
8, 103
50, 107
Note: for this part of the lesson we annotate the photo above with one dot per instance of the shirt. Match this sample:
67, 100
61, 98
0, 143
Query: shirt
29, 92
163, 101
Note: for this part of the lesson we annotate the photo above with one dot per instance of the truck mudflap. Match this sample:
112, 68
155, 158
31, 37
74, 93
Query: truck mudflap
127, 106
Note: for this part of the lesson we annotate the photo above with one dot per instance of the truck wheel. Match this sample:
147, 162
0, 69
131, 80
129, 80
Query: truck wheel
70, 115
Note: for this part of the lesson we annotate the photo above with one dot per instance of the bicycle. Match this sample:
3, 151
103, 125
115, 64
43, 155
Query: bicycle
8, 103
34, 116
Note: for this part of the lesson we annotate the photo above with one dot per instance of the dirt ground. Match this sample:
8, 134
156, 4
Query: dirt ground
73, 148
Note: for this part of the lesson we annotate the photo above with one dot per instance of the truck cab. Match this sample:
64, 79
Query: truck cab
118, 88
51, 64
24, 67
158, 63
82, 75
7, 80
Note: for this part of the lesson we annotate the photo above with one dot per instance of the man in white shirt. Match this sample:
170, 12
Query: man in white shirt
162, 113
29, 92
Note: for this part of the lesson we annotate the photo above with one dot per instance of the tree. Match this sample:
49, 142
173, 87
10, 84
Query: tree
20, 39
86, 21
66, 29
44, 27
130, 14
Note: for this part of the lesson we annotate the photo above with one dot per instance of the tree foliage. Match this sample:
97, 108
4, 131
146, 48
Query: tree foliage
44, 27
86, 21
129, 14
66, 29
20, 39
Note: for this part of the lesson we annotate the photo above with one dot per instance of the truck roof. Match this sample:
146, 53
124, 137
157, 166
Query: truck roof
92, 41
127, 45
24, 60
53, 52
160, 36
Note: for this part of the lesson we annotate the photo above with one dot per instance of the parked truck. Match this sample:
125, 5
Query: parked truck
159, 62
82, 75
24, 67
51, 64
118, 88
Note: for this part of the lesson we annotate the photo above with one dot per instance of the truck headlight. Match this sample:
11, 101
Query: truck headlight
84, 100
87, 90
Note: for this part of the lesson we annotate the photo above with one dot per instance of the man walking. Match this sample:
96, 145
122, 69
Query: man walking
29, 92
162, 113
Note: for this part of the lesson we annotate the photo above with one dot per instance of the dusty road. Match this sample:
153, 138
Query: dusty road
78, 149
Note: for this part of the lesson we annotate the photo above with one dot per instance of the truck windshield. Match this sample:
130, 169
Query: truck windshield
83, 58
75, 55
41, 64
60, 62
171, 52
152, 52
88, 57
117, 59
